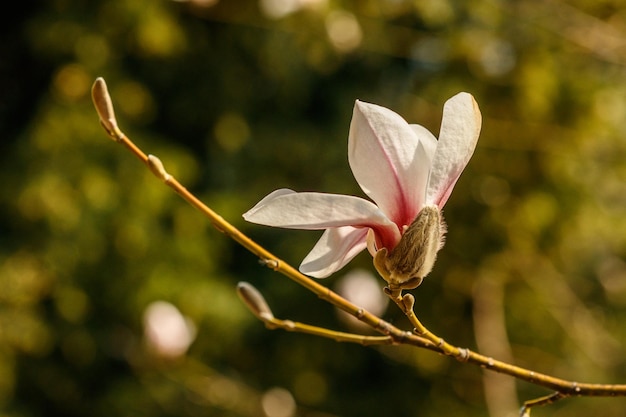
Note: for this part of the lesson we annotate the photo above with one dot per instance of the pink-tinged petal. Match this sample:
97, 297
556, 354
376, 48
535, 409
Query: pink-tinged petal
312, 211
334, 250
460, 127
388, 161
427, 139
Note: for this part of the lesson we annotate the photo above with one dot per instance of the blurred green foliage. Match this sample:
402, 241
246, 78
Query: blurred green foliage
239, 98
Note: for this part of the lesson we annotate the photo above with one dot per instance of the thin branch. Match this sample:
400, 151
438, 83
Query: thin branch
259, 307
541, 401
563, 388
257, 304
406, 303
421, 337
102, 102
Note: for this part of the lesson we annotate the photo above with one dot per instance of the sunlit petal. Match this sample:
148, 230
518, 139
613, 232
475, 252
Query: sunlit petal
388, 161
460, 128
336, 248
427, 139
270, 197
310, 211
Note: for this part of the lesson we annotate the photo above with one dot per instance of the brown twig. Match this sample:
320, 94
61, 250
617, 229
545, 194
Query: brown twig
420, 337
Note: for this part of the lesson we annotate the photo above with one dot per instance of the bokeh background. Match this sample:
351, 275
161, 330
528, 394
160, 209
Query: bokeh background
118, 299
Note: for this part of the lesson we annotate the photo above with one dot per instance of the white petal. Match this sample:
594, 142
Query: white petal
427, 139
336, 248
285, 208
273, 195
388, 161
460, 127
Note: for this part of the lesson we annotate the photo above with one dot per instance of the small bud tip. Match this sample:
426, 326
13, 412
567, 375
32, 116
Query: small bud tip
409, 302
254, 300
103, 104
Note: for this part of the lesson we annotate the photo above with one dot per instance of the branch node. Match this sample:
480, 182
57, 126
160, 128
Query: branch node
273, 264
157, 168
402, 337
384, 327
488, 364
463, 355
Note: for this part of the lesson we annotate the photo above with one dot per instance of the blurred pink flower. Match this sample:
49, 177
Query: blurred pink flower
402, 167
168, 333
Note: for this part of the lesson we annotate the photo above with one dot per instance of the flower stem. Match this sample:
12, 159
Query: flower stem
405, 303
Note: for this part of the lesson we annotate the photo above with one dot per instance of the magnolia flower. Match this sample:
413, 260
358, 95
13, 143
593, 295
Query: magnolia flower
406, 172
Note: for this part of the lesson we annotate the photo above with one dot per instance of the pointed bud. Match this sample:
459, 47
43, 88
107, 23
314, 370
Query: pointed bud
104, 105
414, 257
409, 302
254, 300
